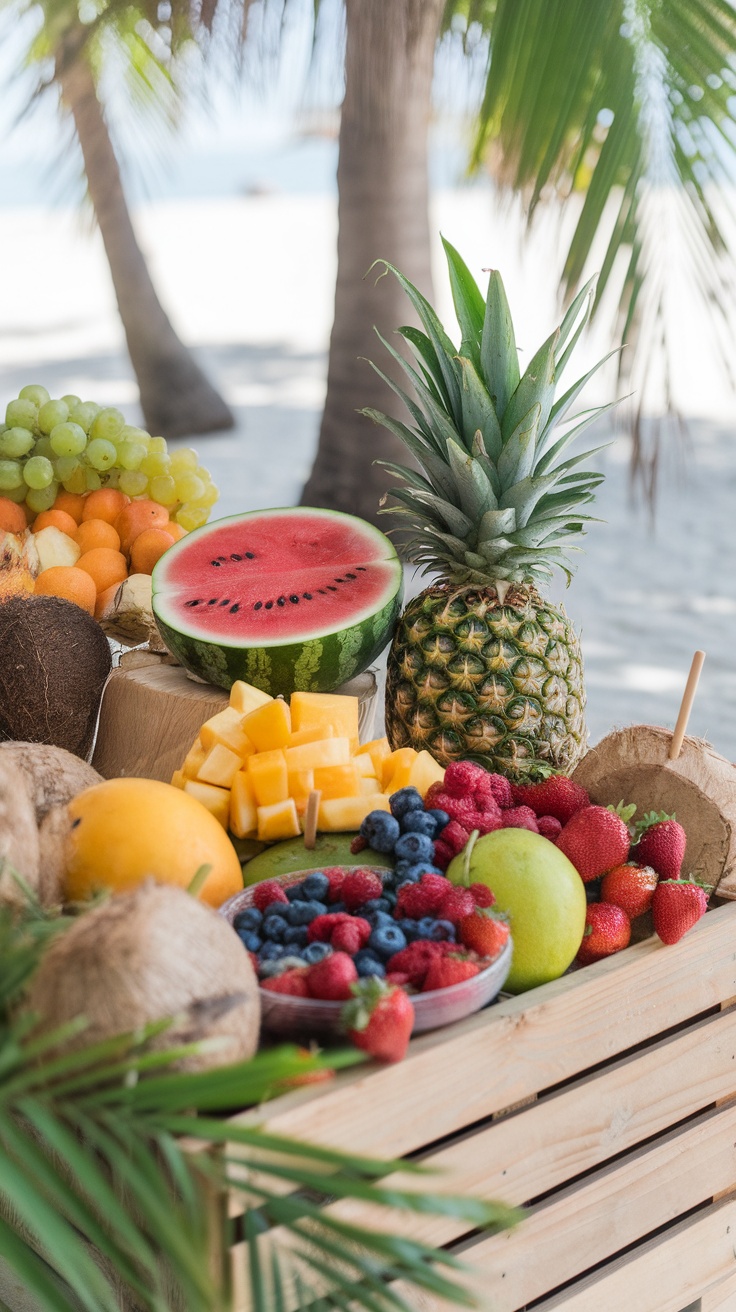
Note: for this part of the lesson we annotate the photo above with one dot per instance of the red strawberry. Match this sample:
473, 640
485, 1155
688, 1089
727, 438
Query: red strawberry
607, 930
422, 899
463, 777
443, 854
482, 895
454, 836
322, 928
557, 796
397, 977
678, 904
549, 827
331, 978
630, 887
379, 1019
485, 931
456, 903
453, 968
595, 840
520, 817
661, 844
360, 886
414, 960
267, 892
336, 876
292, 981
350, 935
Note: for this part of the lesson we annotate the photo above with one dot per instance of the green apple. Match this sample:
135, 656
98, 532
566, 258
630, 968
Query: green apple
329, 850
540, 891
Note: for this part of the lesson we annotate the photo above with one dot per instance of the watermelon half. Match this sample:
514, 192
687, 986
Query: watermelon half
285, 599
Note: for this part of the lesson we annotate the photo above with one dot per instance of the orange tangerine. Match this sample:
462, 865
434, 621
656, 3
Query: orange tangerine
69, 582
175, 530
96, 533
137, 517
72, 503
105, 503
148, 547
13, 518
104, 566
55, 519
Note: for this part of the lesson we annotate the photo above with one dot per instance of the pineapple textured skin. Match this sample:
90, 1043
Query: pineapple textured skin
498, 679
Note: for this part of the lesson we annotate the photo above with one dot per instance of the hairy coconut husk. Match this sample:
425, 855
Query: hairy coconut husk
699, 788
54, 661
53, 834
19, 845
54, 775
145, 956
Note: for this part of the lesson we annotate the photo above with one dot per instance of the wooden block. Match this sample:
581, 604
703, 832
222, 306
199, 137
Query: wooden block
721, 1296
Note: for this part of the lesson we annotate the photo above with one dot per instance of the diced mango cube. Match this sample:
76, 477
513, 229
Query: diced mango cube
269, 726
219, 766
337, 781
364, 765
217, 800
245, 698
269, 777
329, 710
314, 756
193, 759
227, 728
278, 821
340, 813
378, 750
313, 735
397, 768
369, 784
243, 813
178, 779
425, 771
301, 784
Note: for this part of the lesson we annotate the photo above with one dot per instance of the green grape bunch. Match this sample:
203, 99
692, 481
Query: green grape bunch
47, 444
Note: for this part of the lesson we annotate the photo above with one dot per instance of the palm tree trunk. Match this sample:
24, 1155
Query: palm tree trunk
383, 214
176, 397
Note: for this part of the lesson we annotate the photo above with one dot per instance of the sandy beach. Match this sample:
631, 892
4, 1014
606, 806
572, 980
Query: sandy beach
249, 284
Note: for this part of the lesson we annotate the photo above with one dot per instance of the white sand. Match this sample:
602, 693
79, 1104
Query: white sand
250, 282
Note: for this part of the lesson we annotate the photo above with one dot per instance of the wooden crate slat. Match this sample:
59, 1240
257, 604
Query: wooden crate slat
453, 1078
586, 1223
575, 1130
690, 1260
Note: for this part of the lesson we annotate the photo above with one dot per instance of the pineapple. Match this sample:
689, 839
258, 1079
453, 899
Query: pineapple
481, 665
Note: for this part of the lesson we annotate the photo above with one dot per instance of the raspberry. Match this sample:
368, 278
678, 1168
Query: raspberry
423, 899
398, 977
482, 895
322, 927
462, 778
454, 968
490, 820
415, 959
358, 844
443, 853
336, 878
454, 836
267, 892
331, 979
350, 935
433, 793
464, 810
360, 886
458, 902
500, 786
549, 827
292, 981
520, 817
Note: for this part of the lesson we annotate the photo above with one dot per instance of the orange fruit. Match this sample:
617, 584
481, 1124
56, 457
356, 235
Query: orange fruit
13, 518
104, 566
106, 503
96, 533
148, 547
175, 530
69, 582
72, 503
56, 519
137, 517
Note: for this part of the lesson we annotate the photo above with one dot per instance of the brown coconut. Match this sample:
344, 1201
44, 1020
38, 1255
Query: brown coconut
699, 788
19, 843
145, 956
54, 775
54, 661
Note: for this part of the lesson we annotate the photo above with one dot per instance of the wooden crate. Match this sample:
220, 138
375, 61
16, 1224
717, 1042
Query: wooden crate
604, 1102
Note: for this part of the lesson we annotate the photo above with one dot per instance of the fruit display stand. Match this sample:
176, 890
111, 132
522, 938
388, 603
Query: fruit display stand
602, 1102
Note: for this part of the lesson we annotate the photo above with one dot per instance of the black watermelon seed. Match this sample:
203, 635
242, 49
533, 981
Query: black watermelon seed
339, 580
307, 596
331, 587
234, 557
234, 609
257, 605
226, 602
362, 567
350, 576
250, 555
212, 601
281, 601
216, 563
269, 604
193, 603
321, 592
293, 598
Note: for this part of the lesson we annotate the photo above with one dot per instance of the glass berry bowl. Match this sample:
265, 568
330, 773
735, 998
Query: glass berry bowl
297, 1018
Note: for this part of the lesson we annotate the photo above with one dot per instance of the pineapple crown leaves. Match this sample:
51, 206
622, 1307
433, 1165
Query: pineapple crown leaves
498, 496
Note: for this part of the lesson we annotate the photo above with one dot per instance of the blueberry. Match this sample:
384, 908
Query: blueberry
277, 965
425, 927
296, 935
276, 909
368, 964
381, 831
443, 931
409, 928
250, 940
414, 847
316, 952
375, 904
295, 892
275, 929
272, 951
248, 919
419, 822
406, 799
316, 886
390, 897
407, 870
302, 913
441, 817
337, 908
377, 918
387, 940
415, 870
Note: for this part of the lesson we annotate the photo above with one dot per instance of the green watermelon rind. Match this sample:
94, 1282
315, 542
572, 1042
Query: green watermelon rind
318, 664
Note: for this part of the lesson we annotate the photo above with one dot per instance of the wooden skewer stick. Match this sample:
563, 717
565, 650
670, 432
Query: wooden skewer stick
310, 819
688, 697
